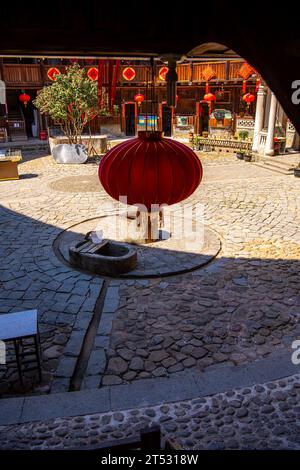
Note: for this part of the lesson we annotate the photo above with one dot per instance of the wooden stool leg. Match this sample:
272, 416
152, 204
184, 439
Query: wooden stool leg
16, 345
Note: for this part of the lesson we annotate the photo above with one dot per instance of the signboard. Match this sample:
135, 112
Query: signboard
151, 120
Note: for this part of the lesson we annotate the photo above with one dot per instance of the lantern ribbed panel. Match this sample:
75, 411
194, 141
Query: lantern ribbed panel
149, 171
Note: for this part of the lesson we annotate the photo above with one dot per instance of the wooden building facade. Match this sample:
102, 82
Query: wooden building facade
225, 82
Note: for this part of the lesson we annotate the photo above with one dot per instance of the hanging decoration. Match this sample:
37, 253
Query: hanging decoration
208, 73
257, 84
139, 98
245, 71
209, 97
101, 72
220, 94
244, 87
113, 78
92, 73
248, 98
52, 73
24, 98
150, 170
163, 72
128, 73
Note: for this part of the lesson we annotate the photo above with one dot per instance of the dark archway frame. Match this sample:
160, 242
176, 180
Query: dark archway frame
268, 37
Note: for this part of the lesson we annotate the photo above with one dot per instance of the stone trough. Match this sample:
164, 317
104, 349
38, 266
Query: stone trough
107, 258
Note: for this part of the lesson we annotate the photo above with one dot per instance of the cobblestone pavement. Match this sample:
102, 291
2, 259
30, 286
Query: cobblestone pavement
265, 416
243, 306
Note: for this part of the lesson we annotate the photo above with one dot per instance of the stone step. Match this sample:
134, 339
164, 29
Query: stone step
278, 163
275, 169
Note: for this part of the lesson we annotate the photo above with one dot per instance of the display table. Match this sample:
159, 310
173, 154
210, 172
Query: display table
9, 167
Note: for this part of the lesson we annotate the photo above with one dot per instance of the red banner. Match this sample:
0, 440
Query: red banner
113, 85
101, 69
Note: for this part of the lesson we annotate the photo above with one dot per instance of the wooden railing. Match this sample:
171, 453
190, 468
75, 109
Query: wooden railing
218, 67
234, 68
31, 75
22, 75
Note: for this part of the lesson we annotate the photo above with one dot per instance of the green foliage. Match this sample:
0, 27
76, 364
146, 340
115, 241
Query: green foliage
243, 135
71, 101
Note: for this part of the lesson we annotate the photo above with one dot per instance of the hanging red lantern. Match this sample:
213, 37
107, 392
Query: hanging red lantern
92, 73
24, 98
248, 98
128, 73
150, 170
139, 98
209, 97
52, 73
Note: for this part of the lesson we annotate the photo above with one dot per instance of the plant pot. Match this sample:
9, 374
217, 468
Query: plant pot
66, 153
297, 172
240, 155
247, 158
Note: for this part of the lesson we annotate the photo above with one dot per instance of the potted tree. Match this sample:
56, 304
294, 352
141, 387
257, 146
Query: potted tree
71, 101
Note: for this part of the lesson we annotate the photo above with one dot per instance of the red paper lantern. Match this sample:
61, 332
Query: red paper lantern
92, 73
24, 98
128, 73
139, 98
249, 98
52, 72
150, 170
209, 97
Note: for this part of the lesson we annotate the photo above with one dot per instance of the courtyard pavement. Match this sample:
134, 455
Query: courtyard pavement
243, 307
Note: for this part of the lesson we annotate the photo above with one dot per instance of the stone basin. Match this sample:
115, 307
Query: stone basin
107, 258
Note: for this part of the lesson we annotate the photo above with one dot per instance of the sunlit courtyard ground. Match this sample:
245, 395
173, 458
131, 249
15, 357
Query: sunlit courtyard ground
242, 307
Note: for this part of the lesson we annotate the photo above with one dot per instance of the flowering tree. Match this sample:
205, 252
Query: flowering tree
71, 101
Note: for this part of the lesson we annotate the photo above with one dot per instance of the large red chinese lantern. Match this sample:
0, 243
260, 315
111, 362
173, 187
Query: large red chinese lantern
139, 98
24, 98
150, 170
